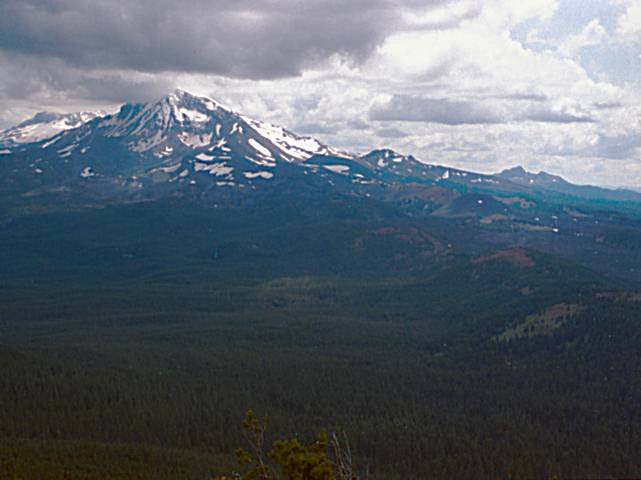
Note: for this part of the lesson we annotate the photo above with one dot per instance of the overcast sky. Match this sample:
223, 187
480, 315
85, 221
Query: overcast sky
548, 84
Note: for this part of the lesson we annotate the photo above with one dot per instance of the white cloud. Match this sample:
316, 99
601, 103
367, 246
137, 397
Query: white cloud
592, 34
629, 23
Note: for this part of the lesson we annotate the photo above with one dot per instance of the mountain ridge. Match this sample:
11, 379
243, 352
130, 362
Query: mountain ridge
44, 125
184, 139
558, 184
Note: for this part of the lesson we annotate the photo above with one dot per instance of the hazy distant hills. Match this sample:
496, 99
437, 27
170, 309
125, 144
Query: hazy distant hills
545, 181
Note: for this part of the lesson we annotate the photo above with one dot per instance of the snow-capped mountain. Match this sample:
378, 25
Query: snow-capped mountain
44, 125
180, 139
181, 121
185, 143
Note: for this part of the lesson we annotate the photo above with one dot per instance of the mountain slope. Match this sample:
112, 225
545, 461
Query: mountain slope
179, 140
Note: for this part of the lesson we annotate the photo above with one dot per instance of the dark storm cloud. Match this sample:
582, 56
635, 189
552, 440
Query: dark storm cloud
235, 38
24, 77
433, 110
116, 89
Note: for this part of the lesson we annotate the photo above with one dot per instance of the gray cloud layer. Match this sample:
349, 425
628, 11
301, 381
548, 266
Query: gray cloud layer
26, 77
437, 110
409, 108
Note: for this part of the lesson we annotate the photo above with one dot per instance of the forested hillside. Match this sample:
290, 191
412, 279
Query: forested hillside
133, 338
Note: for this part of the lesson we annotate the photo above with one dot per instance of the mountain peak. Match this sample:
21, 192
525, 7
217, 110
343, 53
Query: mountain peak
183, 124
179, 95
517, 171
182, 97
180, 92
383, 155
519, 174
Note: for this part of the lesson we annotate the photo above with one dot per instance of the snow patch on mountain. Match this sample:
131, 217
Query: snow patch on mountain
337, 168
194, 116
67, 150
218, 169
300, 148
261, 174
168, 169
195, 140
261, 162
87, 173
260, 149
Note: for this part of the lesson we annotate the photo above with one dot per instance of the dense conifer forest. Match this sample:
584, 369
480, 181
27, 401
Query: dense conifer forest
133, 340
